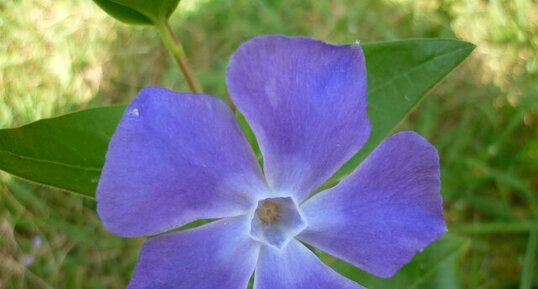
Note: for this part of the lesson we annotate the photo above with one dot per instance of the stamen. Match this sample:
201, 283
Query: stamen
268, 212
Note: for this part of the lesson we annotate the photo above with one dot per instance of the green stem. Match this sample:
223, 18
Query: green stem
176, 49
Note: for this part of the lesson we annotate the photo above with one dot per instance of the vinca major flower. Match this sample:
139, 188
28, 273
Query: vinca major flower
180, 157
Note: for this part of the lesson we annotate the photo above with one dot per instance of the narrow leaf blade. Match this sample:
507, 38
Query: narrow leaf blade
527, 274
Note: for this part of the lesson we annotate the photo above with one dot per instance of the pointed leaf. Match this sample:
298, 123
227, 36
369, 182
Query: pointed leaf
141, 12
66, 152
400, 74
123, 13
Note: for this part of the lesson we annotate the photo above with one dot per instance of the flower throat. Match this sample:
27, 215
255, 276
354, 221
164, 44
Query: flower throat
268, 212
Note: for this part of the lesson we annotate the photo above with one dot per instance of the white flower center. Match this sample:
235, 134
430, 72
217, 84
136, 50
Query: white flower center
276, 221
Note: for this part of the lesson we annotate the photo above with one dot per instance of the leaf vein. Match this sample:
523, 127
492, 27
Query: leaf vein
28, 158
375, 89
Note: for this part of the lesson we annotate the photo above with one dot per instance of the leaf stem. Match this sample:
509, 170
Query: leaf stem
173, 45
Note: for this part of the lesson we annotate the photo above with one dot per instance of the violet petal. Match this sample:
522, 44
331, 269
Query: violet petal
174, 158
384, 212
296, 267
217, 255
306, 102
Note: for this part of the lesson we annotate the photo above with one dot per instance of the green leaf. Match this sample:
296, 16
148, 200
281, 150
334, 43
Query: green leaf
400, 74
421, 272
66, 152
142, 12
123, 13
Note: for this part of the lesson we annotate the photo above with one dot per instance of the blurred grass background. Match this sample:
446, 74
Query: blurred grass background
60, 55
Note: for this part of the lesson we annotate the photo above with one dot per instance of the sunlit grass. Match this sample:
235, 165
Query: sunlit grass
52, 57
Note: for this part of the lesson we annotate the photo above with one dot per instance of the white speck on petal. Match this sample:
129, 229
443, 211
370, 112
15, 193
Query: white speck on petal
134, 112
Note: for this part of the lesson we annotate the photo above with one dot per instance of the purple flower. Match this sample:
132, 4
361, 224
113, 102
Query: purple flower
179, 157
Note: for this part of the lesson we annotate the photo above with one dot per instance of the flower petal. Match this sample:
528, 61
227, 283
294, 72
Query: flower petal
296, 267
306, 102
383, 213
175, 158
217, 255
